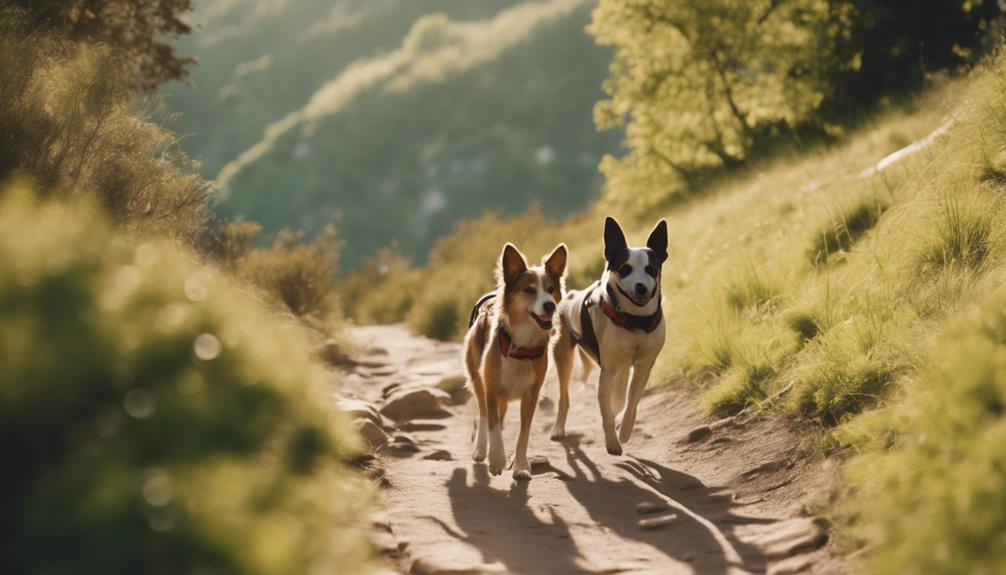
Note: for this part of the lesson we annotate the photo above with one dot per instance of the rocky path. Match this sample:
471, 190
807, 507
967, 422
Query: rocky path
687, 497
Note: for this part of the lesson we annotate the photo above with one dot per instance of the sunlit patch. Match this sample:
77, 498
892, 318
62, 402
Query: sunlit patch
146, 255
195, 289
139, 403
158, 488
207, 347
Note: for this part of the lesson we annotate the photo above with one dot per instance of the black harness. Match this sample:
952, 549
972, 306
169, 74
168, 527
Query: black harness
587, 339
478, 307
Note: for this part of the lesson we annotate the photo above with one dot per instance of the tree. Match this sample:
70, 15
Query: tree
702, 83
142, 29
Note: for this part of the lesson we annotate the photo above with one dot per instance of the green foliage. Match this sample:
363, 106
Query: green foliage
67, 123
299, 275
932, 492
149, 424
703, 85
141, 30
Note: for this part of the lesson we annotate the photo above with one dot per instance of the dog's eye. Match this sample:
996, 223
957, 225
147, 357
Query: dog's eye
625, 270
529, 290
651, 271
550, 289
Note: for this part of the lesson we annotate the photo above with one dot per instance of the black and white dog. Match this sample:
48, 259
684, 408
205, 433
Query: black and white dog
618, 322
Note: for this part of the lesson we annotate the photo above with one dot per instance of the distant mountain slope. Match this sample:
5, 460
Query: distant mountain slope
393, 118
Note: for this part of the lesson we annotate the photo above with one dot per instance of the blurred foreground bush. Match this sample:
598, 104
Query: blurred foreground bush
153, 419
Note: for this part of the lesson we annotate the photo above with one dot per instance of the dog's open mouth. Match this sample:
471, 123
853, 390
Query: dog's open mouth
543, 321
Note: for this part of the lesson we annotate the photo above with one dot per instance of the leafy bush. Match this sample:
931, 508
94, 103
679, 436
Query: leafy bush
299, 275
139, 29
702, 85
67, 123
153, 418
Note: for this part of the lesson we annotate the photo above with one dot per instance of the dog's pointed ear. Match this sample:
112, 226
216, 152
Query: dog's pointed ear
512, 263
616, 250
657, 242
555, 262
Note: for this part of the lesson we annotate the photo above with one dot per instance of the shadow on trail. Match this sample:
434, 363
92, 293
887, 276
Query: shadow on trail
500, 523
612, 502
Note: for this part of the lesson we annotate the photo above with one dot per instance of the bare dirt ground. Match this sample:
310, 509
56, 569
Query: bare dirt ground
685, 498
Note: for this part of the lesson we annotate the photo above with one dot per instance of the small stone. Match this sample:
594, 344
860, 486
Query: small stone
439, 455
657, 522
420, 425
799, 535
648, 507
455, 386
698, 434
421, 403
371, 433
538, 463
402, 445
358, 409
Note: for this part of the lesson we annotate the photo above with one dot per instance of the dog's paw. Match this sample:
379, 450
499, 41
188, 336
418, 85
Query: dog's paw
614, 447
558, 434
497, 461
479, 454
522, 474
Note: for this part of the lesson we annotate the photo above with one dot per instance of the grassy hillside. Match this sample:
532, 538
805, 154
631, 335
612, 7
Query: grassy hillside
394, 119
823, 272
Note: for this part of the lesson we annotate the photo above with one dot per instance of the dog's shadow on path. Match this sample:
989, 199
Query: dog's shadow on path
504, 526
501, 525
702, 533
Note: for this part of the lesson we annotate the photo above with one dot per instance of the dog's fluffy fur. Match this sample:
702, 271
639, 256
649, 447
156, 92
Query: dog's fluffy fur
632, 280
526, 299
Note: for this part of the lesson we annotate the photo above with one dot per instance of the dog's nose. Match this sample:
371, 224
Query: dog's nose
549, 307
640, 289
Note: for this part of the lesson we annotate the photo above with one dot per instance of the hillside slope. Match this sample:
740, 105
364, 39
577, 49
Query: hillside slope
845, 279
394, 119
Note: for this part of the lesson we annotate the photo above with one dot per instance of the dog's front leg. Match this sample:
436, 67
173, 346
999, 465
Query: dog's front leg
528, 403
640, 375
604, 389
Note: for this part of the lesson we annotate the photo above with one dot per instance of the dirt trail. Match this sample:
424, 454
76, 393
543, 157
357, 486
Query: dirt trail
736, 492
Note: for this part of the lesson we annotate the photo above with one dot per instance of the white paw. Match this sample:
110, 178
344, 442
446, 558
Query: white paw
480, 453
497, 460
522, 474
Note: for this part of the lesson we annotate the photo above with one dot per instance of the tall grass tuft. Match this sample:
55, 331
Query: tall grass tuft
846, 229
963, 235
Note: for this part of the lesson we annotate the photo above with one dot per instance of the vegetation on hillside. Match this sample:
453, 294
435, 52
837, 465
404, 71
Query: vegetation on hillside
870, 290
149, 424
157, 414
402, 120
733, 76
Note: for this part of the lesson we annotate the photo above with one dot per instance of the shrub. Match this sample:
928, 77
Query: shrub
301, 276
67, 123
936, 502
153, 418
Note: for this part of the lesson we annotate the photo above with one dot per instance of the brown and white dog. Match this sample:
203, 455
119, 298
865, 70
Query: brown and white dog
618, 322
506, 350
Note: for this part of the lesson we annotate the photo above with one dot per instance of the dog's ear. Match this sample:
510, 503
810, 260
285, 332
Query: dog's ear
512, 263
657, 242
555, 262
616, 250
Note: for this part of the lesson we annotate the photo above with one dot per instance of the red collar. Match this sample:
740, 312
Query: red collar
630, 322
508, 349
